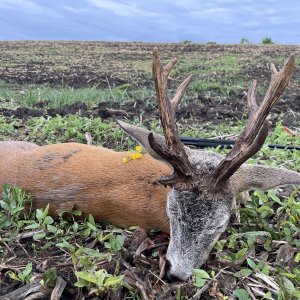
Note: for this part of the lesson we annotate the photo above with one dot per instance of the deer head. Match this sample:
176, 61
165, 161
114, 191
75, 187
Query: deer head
204, 184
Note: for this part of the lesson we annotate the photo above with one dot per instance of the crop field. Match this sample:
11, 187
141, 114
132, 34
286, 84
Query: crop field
53, 92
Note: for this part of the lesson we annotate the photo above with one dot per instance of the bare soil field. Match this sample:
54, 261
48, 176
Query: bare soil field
222, 74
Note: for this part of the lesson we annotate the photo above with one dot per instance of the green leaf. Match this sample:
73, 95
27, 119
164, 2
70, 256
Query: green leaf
288, 275
86, 276
50, 277
232, 242
241, 254
100, 276
251, 264
5, 223
219, 246
268, 295
75, 227
113, 281
297, 258
199, 282
92, 253
265, 211
39, 214
32, 226
77, 212
91, 226
13, 276
201, 274
115, 243
243, 273
241, 294
80, 283
67, 245
281, 294
91, 220
296, 294
251, 240
48, 220
200, 277
16, 210
266, 270
274, 197
5, 206
27, 269
289, 286
39, 236
52, 228
45, 213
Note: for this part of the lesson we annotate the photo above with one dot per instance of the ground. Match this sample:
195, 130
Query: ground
222, 74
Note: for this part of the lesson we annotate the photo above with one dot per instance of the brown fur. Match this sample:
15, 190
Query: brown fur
90, 178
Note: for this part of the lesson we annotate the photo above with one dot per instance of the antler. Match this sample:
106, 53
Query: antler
256, 130
174, 151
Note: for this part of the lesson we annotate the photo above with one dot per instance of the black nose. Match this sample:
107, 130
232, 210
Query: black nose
168, 276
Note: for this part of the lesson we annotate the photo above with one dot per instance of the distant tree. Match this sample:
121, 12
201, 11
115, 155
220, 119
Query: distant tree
267, 41
244, 41
187, 42
211, 43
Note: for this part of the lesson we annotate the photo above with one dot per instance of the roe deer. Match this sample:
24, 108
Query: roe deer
196, 205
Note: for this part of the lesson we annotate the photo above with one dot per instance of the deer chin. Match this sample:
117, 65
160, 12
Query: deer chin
196, 225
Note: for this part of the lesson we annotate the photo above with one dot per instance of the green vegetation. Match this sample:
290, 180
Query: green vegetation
244, 41
267, 41
187, 42
218, 76
49, 97
64, 129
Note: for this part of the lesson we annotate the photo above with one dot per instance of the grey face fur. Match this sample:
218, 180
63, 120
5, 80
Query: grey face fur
196, 225
195, 222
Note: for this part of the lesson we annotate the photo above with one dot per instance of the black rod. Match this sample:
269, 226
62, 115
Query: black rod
204, 143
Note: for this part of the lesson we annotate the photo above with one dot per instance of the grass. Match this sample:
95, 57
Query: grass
14, 95
217, 76
63, 129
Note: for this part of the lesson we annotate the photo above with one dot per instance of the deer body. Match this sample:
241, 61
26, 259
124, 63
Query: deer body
89, 178
96, 181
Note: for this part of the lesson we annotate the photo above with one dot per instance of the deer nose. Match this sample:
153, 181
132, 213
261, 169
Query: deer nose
168, 275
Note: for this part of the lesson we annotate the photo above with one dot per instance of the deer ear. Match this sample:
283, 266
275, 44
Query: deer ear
249, 177
141, 136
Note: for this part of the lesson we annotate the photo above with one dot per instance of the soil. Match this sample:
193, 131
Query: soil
201, 109
98, 64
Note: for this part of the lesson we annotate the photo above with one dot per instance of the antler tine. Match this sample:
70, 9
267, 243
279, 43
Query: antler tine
166, 112
174, 151
167, 69
180, 92
253, 107
251, 99
256, 130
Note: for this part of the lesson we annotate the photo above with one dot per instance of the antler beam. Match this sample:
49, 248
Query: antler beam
174, 151
256, 130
